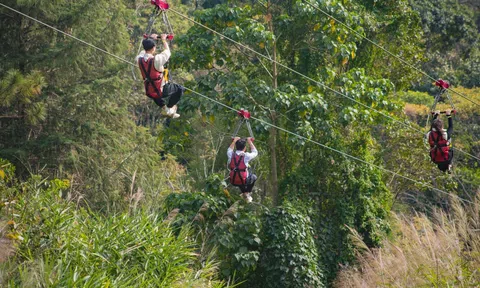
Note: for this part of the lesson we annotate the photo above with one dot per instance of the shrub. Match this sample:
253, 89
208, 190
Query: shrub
60, 245
289, 256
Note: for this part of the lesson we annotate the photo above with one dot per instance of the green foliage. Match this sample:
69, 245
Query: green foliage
81, 125
419, 98
60, 245
451, 40
395, 26
20, 100
206, 207
229, 228
78, 116
237, 238
7, 173
289, 257
342, 193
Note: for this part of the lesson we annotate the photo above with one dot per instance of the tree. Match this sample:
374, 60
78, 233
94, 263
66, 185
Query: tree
80, 125
451, 40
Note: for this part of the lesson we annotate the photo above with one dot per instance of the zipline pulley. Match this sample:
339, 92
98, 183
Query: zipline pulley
244, 117
443, 85
160, 8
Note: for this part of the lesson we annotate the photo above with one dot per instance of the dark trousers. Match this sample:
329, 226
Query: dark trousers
171, 94
248, 187
443, 166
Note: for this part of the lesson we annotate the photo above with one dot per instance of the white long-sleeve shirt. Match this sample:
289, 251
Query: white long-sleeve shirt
444, 134
160, 60
247, 156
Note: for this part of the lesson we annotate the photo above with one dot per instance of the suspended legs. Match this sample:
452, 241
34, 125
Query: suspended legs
445, 166
248, 187
170, 96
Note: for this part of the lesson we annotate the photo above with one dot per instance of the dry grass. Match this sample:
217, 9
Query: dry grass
415, 111
443, 252
464, 107
6, 244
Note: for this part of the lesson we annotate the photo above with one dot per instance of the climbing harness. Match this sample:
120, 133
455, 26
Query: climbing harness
238, 170
439, 151
244, 117
152, 78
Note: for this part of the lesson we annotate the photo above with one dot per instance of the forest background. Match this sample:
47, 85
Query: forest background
97, 191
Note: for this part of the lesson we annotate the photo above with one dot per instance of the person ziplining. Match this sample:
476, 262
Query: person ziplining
155, 76
439, 139
157, 87
241, 175
260, 120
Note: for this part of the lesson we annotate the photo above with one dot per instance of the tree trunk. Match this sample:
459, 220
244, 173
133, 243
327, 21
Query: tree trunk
273, 132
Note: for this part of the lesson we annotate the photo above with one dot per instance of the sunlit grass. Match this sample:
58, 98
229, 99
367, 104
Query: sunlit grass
442, 252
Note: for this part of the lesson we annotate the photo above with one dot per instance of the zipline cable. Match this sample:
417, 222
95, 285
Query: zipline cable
307, 77
332, 149
285, 66
386, 51
64, 33
248, 48
260, 120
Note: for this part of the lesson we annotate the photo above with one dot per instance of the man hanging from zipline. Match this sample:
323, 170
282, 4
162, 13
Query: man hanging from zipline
240, 174
157, 87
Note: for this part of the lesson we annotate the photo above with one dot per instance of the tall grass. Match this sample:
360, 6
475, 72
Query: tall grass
60, 245
439, 252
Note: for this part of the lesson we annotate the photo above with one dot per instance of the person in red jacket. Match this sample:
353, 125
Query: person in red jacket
240, 175
164, 94
439, 140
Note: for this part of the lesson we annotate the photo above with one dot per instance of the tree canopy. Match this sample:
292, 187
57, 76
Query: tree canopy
98, 189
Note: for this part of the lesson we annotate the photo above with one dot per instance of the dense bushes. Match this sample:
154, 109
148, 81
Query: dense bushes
255, 246
289, 257
59, 244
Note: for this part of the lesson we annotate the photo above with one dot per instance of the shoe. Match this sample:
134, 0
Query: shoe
165, 111
247, 197
170, 112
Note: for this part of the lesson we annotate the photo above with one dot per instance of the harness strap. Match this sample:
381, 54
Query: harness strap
436, 147
147, 79
237, 171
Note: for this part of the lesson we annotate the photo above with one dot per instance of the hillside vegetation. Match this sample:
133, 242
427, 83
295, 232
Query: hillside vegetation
97, 189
